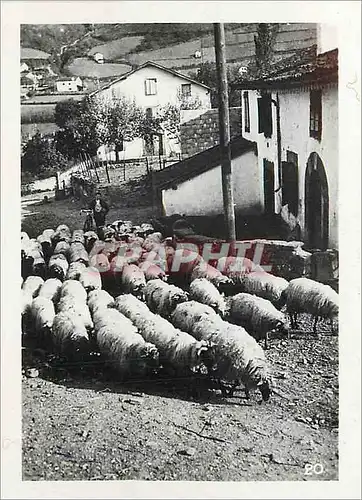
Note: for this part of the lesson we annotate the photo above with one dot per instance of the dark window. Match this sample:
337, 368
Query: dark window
151, 86
246, 111
269, 199
315, 115
149, 112
186, 89
265, 115
290, 184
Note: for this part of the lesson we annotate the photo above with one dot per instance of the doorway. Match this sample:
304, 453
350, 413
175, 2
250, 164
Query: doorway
316, 204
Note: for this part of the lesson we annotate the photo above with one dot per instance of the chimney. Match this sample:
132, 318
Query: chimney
327, 38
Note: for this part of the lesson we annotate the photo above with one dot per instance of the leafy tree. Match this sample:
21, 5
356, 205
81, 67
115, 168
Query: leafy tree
41, 159
207, 75
264, 47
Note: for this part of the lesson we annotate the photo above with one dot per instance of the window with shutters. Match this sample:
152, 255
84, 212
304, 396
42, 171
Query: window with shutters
151, 86
265, 116
246, 111
186, 89
315, 115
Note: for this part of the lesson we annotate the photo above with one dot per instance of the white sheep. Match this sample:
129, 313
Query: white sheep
79, 308
77, 253
42, 315
304, 295
90, 279
75, 270
178, 350
204, 270
69, 334
63, 228
124, 348
265, 285
99, 299
46, 244
152, 271
234, 267
62, 233
78, 236
51, 289
26, 300
133, 280
62, 247
73, 289
90, 238
24, 236
48, 233
58, 266
152, 242
162, 298
39, 267
257, 315
237, 357
32, 285
185, 317
202, 290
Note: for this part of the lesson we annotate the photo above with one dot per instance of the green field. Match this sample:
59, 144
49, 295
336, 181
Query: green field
117, 49
84, 67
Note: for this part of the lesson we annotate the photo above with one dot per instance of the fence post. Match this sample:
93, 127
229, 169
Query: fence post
95, 170
107, 173
124, 169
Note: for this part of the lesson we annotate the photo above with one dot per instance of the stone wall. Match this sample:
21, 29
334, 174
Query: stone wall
202, 132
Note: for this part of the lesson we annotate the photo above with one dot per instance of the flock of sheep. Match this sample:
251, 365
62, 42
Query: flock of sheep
115, 296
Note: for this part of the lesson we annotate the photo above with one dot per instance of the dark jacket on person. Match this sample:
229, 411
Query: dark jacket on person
103, 203
99, 216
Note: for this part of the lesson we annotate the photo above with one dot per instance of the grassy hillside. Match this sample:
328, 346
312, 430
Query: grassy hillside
171, 44
84, 67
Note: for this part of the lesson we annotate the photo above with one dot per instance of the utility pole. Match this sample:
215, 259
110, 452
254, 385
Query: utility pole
224, 131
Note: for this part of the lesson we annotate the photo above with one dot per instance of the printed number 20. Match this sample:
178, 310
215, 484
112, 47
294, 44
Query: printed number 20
311, 469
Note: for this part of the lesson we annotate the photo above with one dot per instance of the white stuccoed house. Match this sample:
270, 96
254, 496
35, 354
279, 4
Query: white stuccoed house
152, 86
286, 159
292, 116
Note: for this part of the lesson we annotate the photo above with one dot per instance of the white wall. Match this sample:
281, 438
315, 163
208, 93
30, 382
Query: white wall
294, 118
70, 86
168, 85
202, 195
327, 37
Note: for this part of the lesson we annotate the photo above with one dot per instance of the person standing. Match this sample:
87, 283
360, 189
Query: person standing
100, 209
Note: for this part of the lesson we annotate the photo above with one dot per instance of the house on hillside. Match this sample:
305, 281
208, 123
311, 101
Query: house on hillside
193, 186
292, 115
98, 57
24, 67
28, 81
34, 58
69, 84
152, 86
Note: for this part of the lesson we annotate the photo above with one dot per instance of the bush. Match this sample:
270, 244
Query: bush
40, 159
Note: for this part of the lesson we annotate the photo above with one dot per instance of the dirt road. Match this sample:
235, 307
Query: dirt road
81, 424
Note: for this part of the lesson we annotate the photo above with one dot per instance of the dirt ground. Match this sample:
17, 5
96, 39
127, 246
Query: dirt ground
81, 423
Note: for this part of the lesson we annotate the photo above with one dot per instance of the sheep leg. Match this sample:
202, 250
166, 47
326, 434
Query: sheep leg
315, 325
291, 320
223, 389
295, 320
332, 327
233, 387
